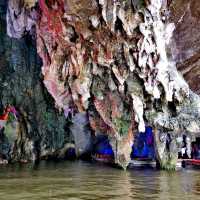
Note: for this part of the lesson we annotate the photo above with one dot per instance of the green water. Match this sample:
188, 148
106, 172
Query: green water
80, 180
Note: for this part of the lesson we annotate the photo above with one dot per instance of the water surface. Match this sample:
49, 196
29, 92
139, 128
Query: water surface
81, 180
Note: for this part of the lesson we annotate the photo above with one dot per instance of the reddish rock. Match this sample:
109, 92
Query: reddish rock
113, 61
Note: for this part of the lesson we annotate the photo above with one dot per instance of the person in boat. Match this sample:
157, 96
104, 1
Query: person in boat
184, 148
103, 150
5, 115
194, 153
143, 147
4, 118
4, 142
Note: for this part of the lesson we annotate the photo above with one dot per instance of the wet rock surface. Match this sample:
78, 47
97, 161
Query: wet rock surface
39, 131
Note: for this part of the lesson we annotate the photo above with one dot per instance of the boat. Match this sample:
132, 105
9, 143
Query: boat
103, 158
191, 163
142, 163
143, 153
103, 152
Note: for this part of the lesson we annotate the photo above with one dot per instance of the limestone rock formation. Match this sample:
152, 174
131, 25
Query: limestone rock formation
185, 15
21, 17
40, 129
116, 62
82, 134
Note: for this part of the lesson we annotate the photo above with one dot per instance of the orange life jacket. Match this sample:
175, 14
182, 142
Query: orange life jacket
5, 114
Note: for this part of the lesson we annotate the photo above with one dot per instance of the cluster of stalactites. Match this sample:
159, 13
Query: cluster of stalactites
21, 18
107, 59
79, 39
154, 58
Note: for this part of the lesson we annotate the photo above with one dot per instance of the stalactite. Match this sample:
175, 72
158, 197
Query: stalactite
107, 59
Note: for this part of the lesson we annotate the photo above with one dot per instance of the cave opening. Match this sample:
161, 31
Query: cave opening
143, 153
143, 147
102, 150
189, 151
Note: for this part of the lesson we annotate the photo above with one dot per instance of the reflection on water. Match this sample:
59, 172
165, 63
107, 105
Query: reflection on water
80, 180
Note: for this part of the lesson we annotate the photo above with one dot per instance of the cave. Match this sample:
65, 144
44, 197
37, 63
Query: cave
143, 147
102, 150
98, 97
73, 71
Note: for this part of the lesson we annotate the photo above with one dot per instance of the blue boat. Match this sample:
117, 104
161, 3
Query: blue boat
103, 151
143, 153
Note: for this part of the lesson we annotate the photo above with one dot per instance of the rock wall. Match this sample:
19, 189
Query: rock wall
116, 62
39, 131
185, 15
